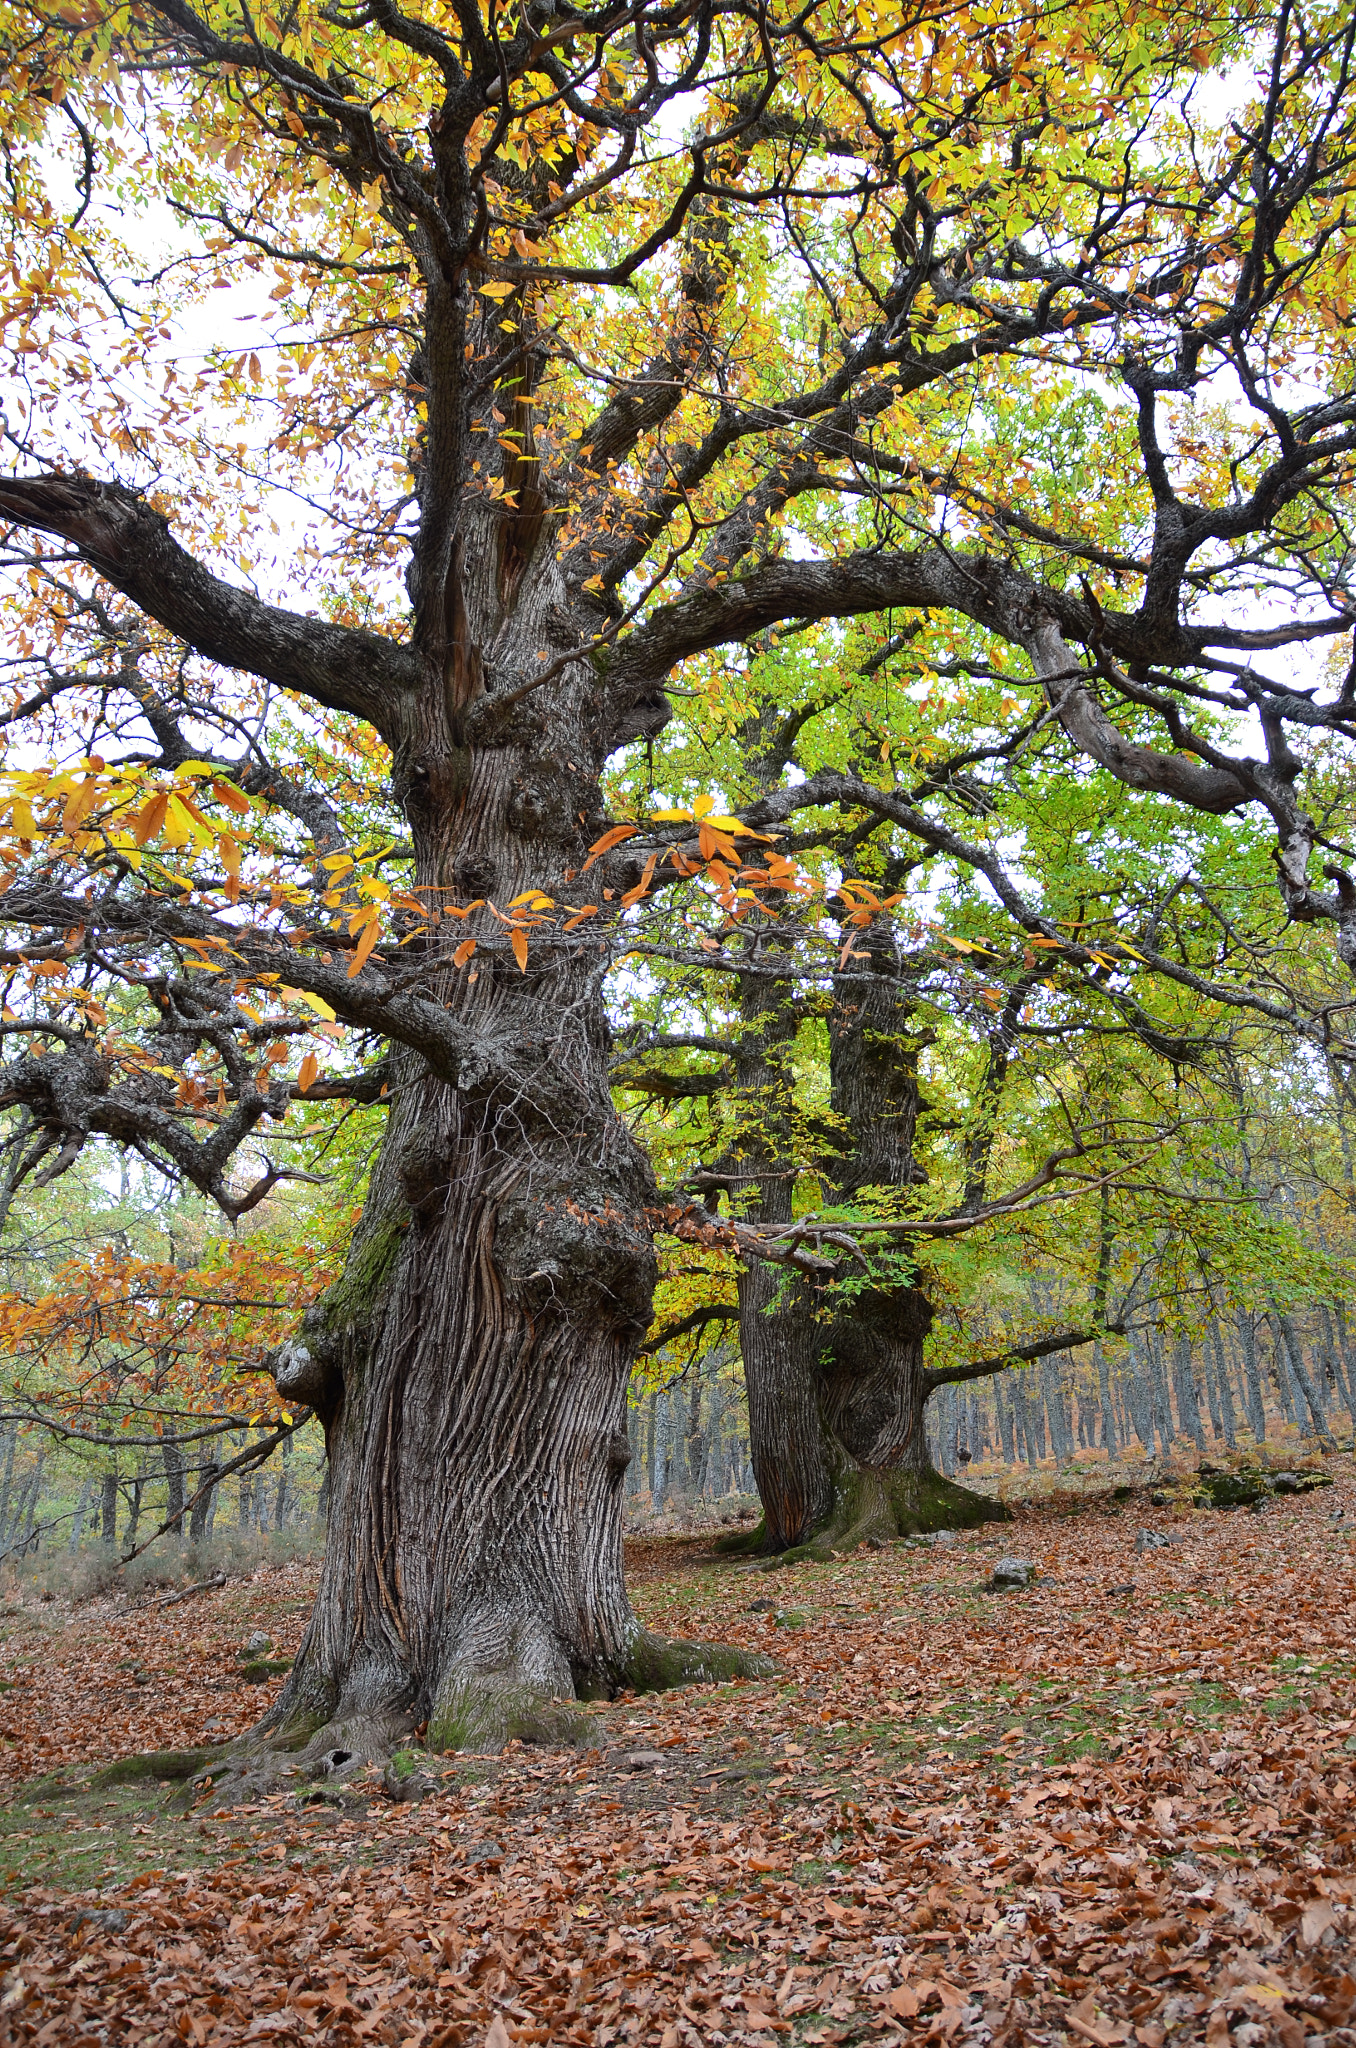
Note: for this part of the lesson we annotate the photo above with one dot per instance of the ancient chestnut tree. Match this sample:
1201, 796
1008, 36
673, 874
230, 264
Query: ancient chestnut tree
398, 399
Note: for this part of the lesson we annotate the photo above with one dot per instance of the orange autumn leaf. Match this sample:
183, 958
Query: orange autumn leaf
607, 842
150, 818
371, 931
642, 886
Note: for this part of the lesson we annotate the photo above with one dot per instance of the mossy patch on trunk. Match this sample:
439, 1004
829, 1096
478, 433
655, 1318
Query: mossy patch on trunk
883, 1506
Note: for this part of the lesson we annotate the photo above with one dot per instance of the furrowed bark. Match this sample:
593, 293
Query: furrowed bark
836, 1384
471, 1364
777, 1333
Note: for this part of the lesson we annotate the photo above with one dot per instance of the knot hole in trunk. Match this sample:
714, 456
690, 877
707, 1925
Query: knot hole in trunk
423, 1172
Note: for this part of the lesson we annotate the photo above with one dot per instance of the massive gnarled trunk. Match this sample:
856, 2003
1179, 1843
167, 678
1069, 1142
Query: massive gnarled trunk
471, 1364
837, 1383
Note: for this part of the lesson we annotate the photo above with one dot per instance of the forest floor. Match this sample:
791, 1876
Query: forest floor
1115, 1807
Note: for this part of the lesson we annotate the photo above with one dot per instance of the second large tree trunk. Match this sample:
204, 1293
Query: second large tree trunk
836, 1425
779, 1340
874, 1382
836, 1384
874, 1389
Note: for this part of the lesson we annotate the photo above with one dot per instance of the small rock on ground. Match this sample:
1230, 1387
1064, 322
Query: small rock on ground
1010, 1574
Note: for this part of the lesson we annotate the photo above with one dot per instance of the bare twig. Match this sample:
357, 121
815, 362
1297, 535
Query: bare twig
257, 1454
203, 1586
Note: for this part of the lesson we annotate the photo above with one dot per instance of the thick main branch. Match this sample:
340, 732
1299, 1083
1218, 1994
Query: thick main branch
130, 544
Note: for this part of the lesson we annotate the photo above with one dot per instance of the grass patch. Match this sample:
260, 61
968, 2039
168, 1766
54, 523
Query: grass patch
157, 1765
81, 1836
1059, 1724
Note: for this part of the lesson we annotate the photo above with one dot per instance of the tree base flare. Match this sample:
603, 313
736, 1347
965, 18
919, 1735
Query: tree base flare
879, 1506
477, 1712
483, 1712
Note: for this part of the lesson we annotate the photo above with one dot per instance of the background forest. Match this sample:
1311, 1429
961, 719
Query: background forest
677, 802
1207, 1268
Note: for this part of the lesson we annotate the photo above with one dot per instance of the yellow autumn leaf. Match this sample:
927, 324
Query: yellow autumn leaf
178, 826
304, 995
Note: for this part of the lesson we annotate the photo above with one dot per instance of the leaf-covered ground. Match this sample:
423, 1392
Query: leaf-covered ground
1079, 1813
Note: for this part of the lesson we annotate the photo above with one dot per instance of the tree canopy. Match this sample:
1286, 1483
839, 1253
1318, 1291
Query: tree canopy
494, 493
712, 326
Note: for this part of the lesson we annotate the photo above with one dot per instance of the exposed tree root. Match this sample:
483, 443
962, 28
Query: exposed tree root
879, 1505
301, 1749
656, 1664
476, 1711
158, 1766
